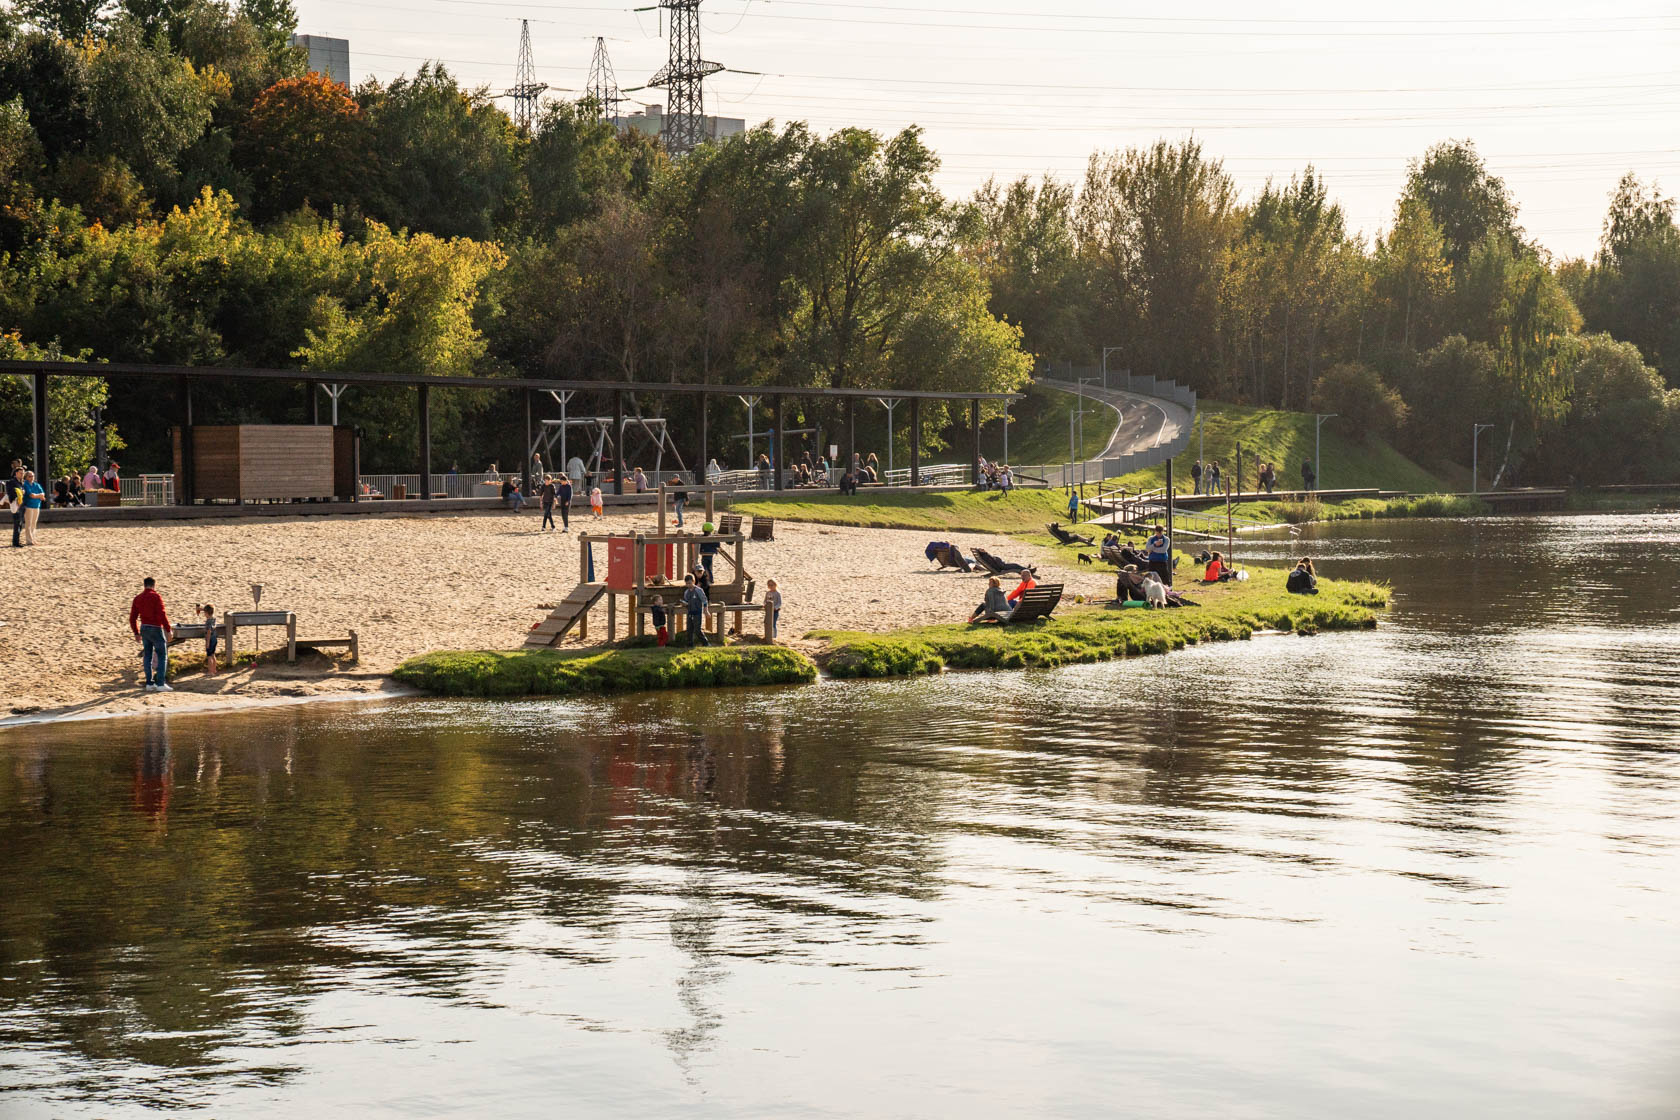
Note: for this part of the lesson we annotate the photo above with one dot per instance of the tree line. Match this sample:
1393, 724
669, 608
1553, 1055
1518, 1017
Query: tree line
176, 188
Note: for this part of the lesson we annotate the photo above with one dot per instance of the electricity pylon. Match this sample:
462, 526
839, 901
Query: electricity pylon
526, 89
683, 76
603, 85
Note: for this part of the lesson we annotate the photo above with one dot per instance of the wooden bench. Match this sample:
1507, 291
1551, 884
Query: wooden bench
352, 643
1035, 603
718, 610
763, 528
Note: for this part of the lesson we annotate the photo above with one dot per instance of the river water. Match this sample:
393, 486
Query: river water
1429, 870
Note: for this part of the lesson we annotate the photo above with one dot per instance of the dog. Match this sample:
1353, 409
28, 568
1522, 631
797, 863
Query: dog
1086, 558
1154, 591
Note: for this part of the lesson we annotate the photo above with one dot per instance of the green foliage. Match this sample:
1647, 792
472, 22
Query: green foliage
1632, 291
64, 19
1354, 392
1025, 248
1618, 403
307, 143
1079, 635
1362, 509
71, 407
150, 105
620, 669
1470, 205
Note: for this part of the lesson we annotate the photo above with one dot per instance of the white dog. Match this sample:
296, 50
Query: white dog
1154, 592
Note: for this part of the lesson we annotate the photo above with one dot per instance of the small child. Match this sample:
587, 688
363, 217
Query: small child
773, 604
595, 502
208, 613
658, 612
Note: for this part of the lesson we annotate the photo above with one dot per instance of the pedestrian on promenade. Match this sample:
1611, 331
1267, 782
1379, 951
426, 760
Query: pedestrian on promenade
149, 623
1196, 477
91, 480
1309, 477
15, 494
1213, 479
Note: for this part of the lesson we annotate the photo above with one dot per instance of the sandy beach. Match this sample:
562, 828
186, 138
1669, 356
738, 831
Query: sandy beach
408, 585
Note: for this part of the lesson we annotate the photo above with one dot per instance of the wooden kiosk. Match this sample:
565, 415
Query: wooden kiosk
643, 569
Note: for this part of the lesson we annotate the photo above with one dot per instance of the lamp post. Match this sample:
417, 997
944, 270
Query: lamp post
1318, 440
1476, 431
1082, 382
1107, 350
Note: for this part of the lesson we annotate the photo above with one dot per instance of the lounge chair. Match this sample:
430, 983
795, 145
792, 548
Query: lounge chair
948, 555
1035, 603
999, 567
1066, 537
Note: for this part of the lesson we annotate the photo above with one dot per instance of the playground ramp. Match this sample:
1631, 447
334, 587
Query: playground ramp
551, 630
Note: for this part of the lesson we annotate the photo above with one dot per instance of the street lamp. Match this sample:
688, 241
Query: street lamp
1476, 431
1318, 439
1107, 350
1082, 382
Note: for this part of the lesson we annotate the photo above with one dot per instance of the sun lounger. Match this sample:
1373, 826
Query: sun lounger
999, 567
1066, 537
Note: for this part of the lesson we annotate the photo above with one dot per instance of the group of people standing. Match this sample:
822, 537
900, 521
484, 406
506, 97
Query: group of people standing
995, 476
25, 497
1206, 478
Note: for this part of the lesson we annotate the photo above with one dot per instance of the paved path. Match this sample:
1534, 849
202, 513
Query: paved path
1144, 421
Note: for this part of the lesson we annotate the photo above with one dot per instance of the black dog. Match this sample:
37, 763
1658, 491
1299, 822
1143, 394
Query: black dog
1085, 558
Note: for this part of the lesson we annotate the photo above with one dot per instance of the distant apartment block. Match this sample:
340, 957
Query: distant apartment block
327, 55
651, 120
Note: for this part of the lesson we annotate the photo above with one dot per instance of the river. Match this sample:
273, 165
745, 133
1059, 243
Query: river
1429, 870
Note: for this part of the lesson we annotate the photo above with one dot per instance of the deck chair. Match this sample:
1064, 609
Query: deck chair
763, 528
999, 567
1035, 603
729, 523
948, 555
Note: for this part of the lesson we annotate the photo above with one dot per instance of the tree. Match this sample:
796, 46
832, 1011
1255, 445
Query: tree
49, 77
1155, 228
72, 20
1466, 202
571, 165
1357, 395
307, 144
1632, 290
275, 21
446, 155
149, 105
1026, 250
1411, 278
72, 405
1621, 421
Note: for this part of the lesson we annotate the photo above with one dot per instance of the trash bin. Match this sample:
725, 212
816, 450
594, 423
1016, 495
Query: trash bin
399, 491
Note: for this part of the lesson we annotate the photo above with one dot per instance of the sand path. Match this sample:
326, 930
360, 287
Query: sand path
408, 585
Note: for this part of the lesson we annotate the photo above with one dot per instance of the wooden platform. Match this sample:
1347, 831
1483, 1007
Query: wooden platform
562, 618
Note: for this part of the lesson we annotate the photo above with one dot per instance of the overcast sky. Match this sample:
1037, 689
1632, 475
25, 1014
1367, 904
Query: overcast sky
1560, 103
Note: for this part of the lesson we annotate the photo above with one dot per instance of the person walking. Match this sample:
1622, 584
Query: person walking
640, 480
1213, 478
1309, 477
773, 604
694, 599
15, 494
547, 504
563, 497
34, 498
596, 506
1196, 477
1158, 550
679, 499
149, 623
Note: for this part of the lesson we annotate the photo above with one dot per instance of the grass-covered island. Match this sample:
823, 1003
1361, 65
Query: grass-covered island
625, 668
1104, 632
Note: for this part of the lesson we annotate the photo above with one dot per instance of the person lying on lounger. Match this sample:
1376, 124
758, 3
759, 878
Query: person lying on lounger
1065, 536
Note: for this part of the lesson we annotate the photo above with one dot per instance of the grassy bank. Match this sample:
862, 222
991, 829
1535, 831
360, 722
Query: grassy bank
1038, 432
1286, 438
1355, 509
1079, 634
586, 672
1019, 511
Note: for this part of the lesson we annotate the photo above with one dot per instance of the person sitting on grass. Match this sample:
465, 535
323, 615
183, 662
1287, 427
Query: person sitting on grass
1304, 579
995, 607
1216, 569
695, 600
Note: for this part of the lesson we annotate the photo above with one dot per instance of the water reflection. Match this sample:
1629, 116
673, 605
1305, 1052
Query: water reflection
1445, 845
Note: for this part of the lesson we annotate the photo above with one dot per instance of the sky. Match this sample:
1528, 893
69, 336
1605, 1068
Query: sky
1559, 103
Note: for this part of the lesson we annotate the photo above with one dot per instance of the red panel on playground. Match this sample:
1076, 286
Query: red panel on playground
658, 560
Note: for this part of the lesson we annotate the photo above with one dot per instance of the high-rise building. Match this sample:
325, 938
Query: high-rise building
327, 55
652, 119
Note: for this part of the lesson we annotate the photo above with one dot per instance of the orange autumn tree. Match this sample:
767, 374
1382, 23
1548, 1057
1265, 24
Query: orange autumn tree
308, 143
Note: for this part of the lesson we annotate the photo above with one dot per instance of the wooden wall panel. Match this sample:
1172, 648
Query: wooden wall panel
285, 461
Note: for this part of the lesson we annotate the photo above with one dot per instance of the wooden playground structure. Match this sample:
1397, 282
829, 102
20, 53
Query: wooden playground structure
644, 569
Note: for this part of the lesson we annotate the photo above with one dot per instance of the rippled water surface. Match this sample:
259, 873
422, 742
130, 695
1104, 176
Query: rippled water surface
1431, 870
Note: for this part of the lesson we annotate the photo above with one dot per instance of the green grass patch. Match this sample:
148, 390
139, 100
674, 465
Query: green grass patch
1019, 511
1286, 438
617, 669
1081, 634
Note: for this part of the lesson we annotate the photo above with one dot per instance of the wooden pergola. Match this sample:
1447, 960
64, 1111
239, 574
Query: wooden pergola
184, 378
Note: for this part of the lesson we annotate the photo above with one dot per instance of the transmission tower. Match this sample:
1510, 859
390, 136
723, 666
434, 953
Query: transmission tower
603, 85
683, 77
526, 89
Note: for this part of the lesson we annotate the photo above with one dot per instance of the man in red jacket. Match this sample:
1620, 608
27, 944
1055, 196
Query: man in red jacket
150, 625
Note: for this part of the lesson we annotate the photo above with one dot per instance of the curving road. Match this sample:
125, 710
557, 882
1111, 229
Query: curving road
1143, 422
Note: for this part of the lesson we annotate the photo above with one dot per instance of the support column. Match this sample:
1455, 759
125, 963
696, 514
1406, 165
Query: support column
776, 442
186, 482
530, 439
915, 441
42, 450
700, 478
313, 388
425, 442
851, 432
618, 441
974, 441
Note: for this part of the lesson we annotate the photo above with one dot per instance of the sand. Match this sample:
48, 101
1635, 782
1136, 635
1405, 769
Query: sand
408, 585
